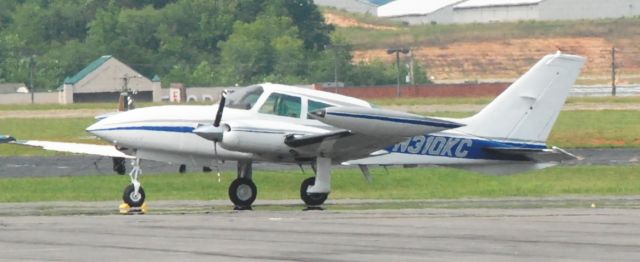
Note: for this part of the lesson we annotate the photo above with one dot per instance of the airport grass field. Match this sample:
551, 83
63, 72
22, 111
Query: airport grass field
401, 184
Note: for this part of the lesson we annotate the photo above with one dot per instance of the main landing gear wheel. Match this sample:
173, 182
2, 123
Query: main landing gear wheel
131, 198
242, 193
314, 199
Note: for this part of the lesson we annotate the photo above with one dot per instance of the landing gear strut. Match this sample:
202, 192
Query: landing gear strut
243, 191
134, 194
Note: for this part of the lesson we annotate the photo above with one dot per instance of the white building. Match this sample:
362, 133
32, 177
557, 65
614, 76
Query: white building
419, 11
483, 11
13, 88
353, 6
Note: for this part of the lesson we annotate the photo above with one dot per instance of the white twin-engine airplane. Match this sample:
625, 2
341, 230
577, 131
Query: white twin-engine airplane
284, 124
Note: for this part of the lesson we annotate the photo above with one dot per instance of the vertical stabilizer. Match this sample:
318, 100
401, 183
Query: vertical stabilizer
527, 110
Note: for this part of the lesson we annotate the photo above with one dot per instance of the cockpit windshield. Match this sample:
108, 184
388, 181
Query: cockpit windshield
244, 98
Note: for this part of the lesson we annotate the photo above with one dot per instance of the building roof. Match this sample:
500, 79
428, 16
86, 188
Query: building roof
87, 70
354, 6
488, 3
380, 2
413, 7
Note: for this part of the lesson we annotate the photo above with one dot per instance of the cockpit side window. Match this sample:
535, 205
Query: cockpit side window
315, 105
282, 105
244, 98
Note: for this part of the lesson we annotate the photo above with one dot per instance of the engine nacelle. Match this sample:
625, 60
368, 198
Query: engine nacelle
261, 136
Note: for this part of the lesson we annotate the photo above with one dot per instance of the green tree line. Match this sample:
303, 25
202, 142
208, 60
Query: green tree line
195, 42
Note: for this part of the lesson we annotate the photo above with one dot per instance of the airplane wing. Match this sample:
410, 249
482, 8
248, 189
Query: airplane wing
294, 141
380, 122
76, 148
364, 131
6, 139
341, 145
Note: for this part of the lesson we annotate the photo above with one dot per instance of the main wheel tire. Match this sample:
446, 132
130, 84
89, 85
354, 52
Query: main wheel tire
243, 192
315, 199
131, 198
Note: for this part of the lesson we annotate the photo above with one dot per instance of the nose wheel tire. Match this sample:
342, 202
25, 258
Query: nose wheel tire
314, 199
131, 198
243, 192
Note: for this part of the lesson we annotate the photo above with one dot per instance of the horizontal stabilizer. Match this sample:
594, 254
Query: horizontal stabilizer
76, 148
554, 154
293, 141
380, 122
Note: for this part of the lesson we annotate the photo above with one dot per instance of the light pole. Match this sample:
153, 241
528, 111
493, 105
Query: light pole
335, 49
398, 51
125, 101
32, 62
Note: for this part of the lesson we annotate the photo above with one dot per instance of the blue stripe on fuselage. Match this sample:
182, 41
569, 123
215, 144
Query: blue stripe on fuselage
175, 129
458, 147
183, 129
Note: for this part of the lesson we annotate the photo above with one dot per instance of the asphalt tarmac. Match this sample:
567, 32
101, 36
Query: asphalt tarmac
514, 229
430, 234
80, 165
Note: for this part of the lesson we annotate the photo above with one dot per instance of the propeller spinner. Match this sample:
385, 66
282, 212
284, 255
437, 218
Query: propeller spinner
214, 132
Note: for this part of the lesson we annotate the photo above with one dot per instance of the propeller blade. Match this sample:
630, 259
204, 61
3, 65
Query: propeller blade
223, 98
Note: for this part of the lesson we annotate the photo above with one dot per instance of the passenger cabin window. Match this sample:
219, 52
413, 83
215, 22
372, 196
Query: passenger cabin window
282, 105
244, 98
315, 105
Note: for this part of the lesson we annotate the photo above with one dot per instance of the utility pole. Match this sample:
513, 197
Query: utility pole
125, 101
411, 67
613, 71
398, 51
335, 69
32, 62
336, 65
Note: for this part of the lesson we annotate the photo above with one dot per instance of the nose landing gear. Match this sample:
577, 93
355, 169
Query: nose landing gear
134, 195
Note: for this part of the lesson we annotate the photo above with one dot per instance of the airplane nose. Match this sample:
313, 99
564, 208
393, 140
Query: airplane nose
95, 127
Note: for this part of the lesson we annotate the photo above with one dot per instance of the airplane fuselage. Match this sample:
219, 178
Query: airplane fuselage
165, 133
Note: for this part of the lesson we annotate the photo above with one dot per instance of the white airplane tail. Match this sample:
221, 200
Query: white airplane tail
527, 110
